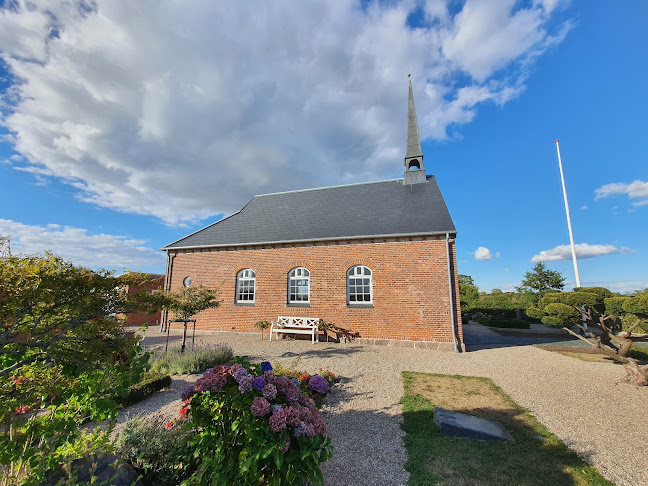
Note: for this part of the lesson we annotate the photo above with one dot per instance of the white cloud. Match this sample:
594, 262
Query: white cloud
75, 244
483, 253
186, 110
584, 207
583, 250
636, 190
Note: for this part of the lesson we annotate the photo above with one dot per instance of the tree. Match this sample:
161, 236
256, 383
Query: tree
468, 292
603, 312
541, 280
64, 355
189, 301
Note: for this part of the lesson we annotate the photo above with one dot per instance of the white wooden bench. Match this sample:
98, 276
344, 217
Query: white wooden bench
295, 325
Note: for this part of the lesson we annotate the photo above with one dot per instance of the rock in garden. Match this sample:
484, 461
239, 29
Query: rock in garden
464, 425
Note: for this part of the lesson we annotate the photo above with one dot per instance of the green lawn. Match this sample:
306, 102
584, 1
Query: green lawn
537, 457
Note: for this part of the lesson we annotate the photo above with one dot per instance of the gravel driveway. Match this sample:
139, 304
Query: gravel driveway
583, 403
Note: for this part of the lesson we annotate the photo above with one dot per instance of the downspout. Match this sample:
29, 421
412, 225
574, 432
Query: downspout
453, 314
167, 287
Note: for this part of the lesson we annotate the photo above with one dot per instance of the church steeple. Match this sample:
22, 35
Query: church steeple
414, 170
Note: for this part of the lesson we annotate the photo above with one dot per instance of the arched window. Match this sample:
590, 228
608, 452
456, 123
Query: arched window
299, 286
359, 285
245, 286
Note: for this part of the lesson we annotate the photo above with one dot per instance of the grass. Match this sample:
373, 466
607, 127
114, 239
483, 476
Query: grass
201, 358
537, 457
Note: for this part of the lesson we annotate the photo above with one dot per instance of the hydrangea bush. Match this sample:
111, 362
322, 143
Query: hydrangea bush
250, 427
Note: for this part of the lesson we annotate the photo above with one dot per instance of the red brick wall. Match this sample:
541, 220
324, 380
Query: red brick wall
154, 282
410, 286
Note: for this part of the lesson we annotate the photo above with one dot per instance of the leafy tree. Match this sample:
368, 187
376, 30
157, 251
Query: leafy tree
468, 292
541, 280
64, 355
189, 301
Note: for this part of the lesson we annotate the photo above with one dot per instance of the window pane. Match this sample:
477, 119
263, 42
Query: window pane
367, 298
367, 271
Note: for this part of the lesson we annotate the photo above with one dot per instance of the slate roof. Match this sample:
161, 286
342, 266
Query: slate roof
374, 209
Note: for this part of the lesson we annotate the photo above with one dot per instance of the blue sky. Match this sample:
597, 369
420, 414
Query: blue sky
128, 126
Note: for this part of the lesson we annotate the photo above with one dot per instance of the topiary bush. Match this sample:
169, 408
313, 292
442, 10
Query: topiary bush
249, 426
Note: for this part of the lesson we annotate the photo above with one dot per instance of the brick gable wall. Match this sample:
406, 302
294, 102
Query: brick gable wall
411, 299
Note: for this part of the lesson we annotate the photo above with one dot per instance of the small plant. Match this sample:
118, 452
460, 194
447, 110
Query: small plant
249, 427
201, 358
262, 325
326, 327
150, 445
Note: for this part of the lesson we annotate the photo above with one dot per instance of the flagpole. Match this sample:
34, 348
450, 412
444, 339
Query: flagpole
571, 235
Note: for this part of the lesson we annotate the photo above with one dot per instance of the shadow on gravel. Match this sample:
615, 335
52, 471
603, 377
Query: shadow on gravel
328, 352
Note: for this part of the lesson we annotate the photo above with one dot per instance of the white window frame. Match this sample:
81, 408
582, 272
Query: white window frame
298, 274
244, 278
359, 272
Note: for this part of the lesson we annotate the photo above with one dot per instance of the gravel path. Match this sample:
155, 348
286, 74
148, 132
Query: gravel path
583, 403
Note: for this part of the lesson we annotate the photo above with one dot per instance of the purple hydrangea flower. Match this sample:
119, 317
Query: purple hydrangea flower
277, 421
260, 407
292, 416
300, 430
269, 391
259, 383
240, 373
266, 366
319, 384
276, 408
187, 392
245, 385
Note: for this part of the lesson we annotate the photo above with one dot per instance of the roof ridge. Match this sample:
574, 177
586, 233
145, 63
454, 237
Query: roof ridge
332, 187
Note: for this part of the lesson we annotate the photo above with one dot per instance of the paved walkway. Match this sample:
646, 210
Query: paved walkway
583, 403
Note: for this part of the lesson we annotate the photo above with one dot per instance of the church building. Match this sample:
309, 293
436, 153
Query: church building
377, 259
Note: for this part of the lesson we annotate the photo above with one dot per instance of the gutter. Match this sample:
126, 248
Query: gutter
453, 314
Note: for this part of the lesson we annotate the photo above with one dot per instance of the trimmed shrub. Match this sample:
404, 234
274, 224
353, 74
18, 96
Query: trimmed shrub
201, 358
509, 323
150, 383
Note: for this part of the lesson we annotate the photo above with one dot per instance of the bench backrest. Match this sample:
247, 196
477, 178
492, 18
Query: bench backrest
305, 322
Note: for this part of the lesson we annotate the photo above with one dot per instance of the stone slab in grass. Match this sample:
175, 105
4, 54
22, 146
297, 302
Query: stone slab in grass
464, 425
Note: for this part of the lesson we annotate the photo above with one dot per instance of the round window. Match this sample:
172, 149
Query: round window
187, 281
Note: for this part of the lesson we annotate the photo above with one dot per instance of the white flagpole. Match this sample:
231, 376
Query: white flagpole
571, 235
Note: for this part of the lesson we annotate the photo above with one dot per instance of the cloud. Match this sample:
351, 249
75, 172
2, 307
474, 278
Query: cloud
584, 207
483, 253
583, 250
75, 244
636, 190
186, 110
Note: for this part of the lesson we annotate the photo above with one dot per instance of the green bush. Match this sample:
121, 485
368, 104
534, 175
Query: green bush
510, 323
250, 427
151, 382
201, 358
151, 446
